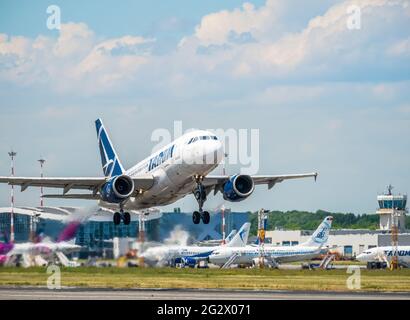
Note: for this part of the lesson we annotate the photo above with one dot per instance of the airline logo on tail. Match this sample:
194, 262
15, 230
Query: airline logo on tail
110, 162
322, 233
241, 238
242, 234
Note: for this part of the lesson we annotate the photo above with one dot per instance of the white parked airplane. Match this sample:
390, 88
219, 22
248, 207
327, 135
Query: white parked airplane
250, 254
217, 242
190, 255
45, 248
386, 254
178, 169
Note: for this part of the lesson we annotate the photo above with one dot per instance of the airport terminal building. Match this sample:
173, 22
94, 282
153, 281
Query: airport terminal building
352, 242
97, 232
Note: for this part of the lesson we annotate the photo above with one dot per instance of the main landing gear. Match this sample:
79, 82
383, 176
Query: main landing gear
124, 216
200, 196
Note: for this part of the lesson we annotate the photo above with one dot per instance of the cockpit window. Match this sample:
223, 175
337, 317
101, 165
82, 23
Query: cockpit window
194, 139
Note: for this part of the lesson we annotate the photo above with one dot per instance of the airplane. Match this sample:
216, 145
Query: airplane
274, 255
176, 170
44, 248
386, 254
191, 255
217, 242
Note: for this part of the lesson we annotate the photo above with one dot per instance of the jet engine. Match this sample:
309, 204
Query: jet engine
238, 188
117, 189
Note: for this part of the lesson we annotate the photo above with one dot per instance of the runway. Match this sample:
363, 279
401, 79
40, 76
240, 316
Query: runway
34, 293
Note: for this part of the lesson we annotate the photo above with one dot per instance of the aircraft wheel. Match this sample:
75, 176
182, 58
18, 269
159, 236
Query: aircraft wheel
206, 217
127, 218
117, 218
196, 217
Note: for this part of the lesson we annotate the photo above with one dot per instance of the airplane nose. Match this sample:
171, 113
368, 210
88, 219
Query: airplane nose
209, 152
218, 151
361, 257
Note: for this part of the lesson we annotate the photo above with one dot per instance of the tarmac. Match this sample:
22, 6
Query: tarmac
42, 293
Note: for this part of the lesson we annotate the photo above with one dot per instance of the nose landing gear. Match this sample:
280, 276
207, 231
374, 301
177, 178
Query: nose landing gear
200, 196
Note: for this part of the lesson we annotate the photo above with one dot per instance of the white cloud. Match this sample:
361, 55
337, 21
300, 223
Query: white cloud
74, 39
114, 60
216, 28
75, 60
246, 43
324, 46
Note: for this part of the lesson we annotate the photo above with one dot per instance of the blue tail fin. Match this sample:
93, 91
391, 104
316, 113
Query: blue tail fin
110, 162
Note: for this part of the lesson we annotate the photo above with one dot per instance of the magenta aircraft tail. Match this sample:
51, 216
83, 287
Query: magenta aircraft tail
5, 248
3, 259
69, 231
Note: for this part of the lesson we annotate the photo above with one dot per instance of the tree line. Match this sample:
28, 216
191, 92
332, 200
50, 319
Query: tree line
304, 220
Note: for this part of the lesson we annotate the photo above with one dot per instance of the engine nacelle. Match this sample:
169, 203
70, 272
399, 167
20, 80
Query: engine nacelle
117, 189
238, 188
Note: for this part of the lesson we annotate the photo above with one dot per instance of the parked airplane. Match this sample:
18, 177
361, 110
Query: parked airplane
178, 169
386, 254
44, 248
217, 242
190, 255
273, 255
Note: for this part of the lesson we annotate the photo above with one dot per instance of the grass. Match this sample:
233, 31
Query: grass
265, 279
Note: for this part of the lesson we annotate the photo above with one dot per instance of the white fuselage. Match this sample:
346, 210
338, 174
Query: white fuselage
381, 253
43, 248
173, 168
246, 255
163, 254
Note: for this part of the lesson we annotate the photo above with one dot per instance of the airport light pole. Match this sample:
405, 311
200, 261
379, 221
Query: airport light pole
141, 234
12, 155
223, 207
394, 240
41, 161
223, 224
262, 224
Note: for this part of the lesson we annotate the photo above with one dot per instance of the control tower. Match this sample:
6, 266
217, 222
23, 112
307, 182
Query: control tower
391, 205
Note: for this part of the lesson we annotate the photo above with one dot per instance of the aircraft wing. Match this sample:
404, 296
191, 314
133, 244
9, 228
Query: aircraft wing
82, 196
94, 184
270, 180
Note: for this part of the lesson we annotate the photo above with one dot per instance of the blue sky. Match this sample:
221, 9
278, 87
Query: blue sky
324, 97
